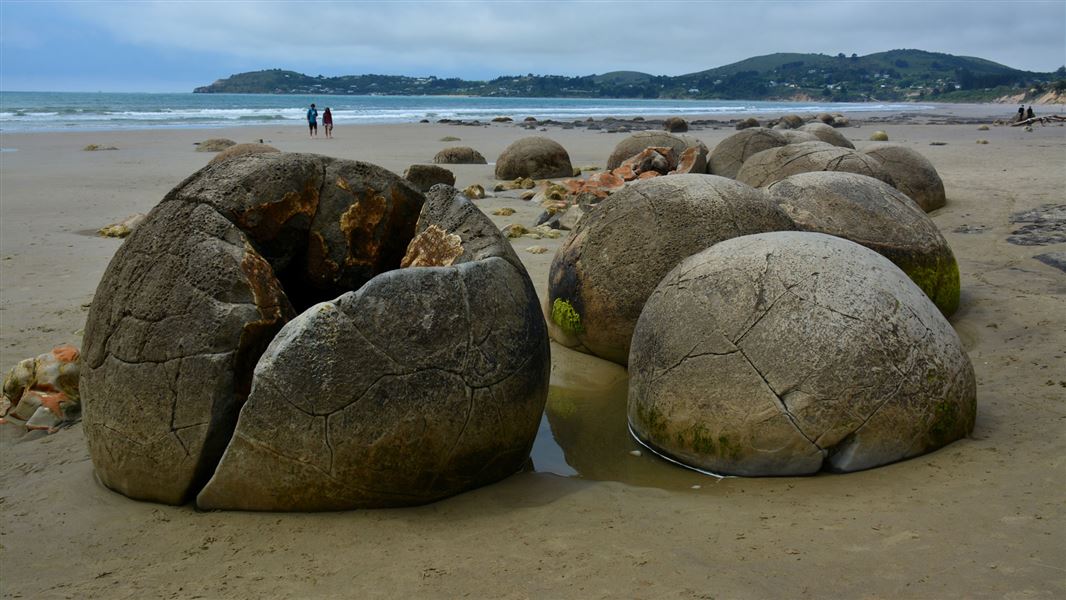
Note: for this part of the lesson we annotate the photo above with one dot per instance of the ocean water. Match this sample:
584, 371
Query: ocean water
65, 111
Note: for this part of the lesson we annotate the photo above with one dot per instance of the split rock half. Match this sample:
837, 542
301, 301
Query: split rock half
194, 296
425, 382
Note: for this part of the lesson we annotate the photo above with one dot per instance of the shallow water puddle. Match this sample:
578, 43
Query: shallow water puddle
584, 432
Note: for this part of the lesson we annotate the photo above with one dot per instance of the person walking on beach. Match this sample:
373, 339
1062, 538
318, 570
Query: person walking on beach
1021, 113
312, 120
1029, 114
327, 122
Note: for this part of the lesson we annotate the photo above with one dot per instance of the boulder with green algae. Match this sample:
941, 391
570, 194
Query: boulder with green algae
879, 136
872, 213
175, 339
790, 353
621, 248
768, 166
912, 173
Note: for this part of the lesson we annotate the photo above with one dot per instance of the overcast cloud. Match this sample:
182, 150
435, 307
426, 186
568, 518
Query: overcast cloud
173, 46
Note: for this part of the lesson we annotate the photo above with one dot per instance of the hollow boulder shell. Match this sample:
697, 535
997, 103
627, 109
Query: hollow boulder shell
640, 141
912, 173
193, 297
729, 155
425, 382
536, 157
768, 166
872, 213
603, 273
788, 353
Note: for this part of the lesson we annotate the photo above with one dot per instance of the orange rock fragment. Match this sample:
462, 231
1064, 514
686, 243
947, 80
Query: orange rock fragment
648, 175
687, 161
626, 171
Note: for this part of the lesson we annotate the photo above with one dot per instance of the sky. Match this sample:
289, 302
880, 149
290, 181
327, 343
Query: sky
174, 46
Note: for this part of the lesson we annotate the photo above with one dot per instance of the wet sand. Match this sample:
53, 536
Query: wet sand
983, 517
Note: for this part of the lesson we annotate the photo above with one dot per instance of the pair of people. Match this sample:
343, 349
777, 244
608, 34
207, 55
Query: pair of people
312, 121
1024, 114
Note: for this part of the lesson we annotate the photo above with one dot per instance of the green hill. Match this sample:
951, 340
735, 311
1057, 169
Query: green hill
893, 75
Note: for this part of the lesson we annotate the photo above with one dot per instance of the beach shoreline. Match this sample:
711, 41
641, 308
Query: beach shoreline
981, 518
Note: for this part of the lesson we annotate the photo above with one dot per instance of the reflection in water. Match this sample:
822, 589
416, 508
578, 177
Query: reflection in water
584, 432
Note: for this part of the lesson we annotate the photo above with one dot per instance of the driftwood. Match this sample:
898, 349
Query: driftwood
1041, 120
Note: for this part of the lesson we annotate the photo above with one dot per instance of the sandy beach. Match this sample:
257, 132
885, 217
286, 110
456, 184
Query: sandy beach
984, 517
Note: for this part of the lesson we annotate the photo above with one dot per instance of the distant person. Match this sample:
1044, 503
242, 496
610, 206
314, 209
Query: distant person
1021, 113
1029, 114
327, 122
312, 120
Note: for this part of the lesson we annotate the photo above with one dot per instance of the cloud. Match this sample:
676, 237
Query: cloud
579, 37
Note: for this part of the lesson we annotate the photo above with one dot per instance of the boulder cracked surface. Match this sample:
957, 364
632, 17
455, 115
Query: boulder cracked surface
175, 340
768, 166
729, 155
788, 353
603, 273
878, 216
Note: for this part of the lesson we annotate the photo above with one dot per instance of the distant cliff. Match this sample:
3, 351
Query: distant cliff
893, 75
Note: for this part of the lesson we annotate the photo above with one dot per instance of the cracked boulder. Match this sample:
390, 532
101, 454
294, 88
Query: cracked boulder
640, 141
427, 381
616, 255
912, 173
535, 157
789, 353
730, 153
878, 216
191, 300
768, 166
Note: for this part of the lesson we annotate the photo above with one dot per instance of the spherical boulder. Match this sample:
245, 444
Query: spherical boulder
459, 155
872, 213
241, 150
616, 255
827, 134
879, 136
747, 123
730, 153
789, 353
640, 141
536, 157
768, 166
913, 174
675, 125
424, 177
789, 122
175, 338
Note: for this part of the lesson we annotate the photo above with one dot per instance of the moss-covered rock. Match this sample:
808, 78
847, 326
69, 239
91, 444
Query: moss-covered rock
872, 213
